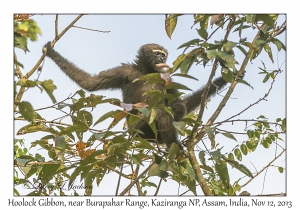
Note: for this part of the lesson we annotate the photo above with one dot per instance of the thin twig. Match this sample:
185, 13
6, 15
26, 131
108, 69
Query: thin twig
91, 29
243, 185
259, 100
53, 122
137, 179
56, 25
158, 187
119, 180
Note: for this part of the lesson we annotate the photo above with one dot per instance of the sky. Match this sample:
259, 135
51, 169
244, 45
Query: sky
96, 51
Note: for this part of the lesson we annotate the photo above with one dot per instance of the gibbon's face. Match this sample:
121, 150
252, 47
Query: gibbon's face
159, 56
152, 54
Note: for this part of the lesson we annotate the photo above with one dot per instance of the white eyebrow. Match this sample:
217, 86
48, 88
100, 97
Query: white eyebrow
159, 51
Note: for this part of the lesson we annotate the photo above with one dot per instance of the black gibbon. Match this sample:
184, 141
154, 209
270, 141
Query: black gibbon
122, 77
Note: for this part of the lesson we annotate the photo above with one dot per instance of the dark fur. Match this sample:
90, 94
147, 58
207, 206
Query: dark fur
121, 77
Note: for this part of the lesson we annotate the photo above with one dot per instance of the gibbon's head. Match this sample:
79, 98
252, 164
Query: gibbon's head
149, 56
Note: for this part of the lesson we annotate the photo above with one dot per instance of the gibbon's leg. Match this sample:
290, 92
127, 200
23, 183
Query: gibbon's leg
166, 132
179, 110
143, 126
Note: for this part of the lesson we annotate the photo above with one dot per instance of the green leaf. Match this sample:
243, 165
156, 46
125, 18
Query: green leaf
88, 182
267, 77
184, 75
267, 19
252, 144
280, 169
48, 171
152, 78
229, 135
136, 160
157, 158
278, 44
242, 50
144, 144
244, 82
250, 19
211, 54
208, 168
86, 171
163, 165
244, 149
153, 128
203, 33
204, 21
145, 111
119, 139
91, 158
265, 143
170, 24
191, 184
229, 45
257, 134
190, 43
76, 172
173, 151
81, 93
221, 168
49, 87
20, 42
60, 142
23, 160
153, 92
186, 64
76, 127
179, 126
174, 85
211, 135
117, 118
238, 154
269, 139
166, 109
153, 115
155, 171
216, 155
230, 191
190, 171
269, 51
85, 117
26, 83
230, 156
178, 61
105, 116
202, 157
32, 170
132, 120
77, 104
244, 170
227, 75
228, 58
250, 133
27, 111
52, 154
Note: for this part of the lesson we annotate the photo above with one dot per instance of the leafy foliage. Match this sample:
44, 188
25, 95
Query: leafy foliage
78, 150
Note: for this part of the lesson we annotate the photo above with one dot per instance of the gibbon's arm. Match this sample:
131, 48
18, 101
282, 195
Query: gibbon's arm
193, 101
110, 79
